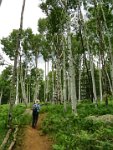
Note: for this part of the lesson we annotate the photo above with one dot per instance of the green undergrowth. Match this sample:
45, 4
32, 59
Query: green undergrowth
72, 132
3, 121
19, 118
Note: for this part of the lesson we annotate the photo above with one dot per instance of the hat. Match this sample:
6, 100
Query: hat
37, 101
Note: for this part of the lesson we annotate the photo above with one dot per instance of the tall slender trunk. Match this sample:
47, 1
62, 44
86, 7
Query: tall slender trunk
23, 90
69, 87
111, 72
47, 85
1, 93
100, 78
12, 97
79, 92
102, 45
93, 78
22, 82
64, 81
110, 85
45, 98
57, 81
109, 42
81, 30
53, 86
92, 70
27, 93
61, 89
57, 87
72, 74
17, 87
36, 94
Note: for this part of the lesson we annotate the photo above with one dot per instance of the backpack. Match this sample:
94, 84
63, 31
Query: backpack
36, 108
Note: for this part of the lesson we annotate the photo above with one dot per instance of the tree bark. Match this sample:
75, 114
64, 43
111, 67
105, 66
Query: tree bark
109, 42
53, 85
1, 93
79, 92
93, 78
12, 98
72, 74
36, 92
17, 85
100, 78
103, 47
64, 81
45, 98
47, 85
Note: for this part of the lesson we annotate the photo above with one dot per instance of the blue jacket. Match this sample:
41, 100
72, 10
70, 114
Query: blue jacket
36, 108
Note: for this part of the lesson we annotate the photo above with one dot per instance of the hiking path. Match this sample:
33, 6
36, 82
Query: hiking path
34, 139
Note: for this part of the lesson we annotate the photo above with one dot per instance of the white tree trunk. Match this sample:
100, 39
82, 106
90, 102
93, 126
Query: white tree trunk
45, 99
109, 42
27, 93
69, 87
100, 79
23, 90
36, 79
90, 59
1, 93
17, 94
79, 94
92, 76
47, 86
72, 76
64, 77
12, 93
29, 100
110, 85
111, 71
22, 82
53, 86
57, 87
61, 89
58, 81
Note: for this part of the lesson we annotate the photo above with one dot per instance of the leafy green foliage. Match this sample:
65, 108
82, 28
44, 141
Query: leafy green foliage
5, 80
42, 25
3, 121
20, 118
9, 44
78, 132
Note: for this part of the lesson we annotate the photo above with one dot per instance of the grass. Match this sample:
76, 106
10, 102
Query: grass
69, 132
19, 118
3, 121
77, 132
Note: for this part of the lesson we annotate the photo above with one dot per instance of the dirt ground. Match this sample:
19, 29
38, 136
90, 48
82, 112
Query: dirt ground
34, 139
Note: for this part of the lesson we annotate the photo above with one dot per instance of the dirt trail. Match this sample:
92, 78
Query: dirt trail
34, 138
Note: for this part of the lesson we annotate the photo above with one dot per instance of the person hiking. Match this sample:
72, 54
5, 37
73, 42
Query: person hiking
35, 114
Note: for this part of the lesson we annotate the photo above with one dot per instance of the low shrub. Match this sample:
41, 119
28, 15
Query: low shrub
72, 132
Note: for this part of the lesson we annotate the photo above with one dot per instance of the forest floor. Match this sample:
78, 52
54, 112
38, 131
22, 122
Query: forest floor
34, 139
